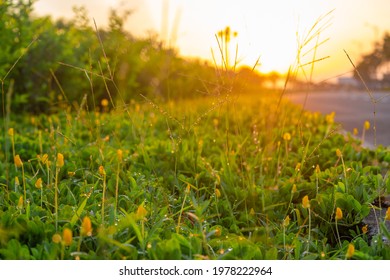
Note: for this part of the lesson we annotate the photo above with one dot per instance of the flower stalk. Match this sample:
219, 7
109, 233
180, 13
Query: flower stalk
102, 173
59, 164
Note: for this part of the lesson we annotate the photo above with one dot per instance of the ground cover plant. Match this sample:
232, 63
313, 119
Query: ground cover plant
228, 175
243, 183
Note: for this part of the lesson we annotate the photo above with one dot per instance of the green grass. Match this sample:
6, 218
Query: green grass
201, 179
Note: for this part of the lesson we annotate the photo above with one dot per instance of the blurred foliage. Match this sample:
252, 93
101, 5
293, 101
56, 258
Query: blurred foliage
57, 62
370, 63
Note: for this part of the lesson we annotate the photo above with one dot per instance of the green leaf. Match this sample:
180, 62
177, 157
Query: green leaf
271, 254
77, 215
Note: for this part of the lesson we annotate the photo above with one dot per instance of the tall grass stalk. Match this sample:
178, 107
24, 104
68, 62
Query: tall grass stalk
56, 196
306, 205
338, 216
59, 164
340, 155
119, 158
186, 193
6, 98
286, 222
102, 173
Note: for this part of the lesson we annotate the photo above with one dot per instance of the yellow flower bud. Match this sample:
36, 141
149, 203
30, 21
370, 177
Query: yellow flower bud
38, 183
101, 171
305, 202
18, 161
20, 203
56, 238
44, 159
338, 153
86, 227
294, 188
339, 214
60, 160
355, 131
104, 102
67, 237
217, 193
120, 155
364, 229
188, 189
287, 136
387, 218
330, 118
11, 132
366, 125
286, 221
141, 212
350, 251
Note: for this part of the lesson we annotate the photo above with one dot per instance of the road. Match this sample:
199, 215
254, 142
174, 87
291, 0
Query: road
352, 109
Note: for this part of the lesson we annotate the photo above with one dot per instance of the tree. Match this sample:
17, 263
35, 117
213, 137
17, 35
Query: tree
370, 63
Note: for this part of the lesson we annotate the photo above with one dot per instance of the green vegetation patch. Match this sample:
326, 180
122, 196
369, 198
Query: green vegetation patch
251, 178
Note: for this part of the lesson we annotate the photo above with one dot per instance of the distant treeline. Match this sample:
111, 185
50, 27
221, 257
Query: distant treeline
374, 67
46, 64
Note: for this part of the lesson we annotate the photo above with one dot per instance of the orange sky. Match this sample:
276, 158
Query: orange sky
265, 28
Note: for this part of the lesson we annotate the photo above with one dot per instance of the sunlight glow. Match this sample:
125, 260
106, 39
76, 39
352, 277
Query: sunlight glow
266, 29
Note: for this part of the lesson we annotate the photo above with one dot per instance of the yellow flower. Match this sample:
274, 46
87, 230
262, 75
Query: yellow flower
252, 212
141, 212
364, 229
18, 162
17, 183
355, 131
86, 227
287, 136
44, 158
339, 214
20, 202
298, 167
60, 160
318, 169
104, 102
387, 218
119, 154
330, 118
188, 189
294, 188
217, 193
350, 251
366, 125
305, 202
38, 183
215, 122
217, 232
56, 238
101, 170
286, 221
338, 153
11, 132
67, 236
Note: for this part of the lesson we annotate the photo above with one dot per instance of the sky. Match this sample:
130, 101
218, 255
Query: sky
270, 30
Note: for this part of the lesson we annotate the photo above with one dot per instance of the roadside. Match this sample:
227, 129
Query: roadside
352, 109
